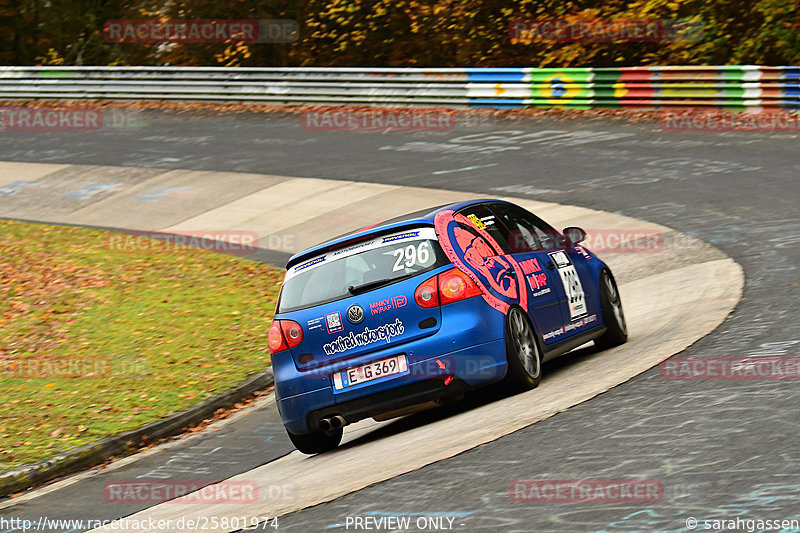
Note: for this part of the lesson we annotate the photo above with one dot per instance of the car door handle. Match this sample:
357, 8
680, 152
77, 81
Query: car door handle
551, 266
511, 273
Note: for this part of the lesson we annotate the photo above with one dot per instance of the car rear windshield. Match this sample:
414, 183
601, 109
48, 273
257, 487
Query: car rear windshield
360, 267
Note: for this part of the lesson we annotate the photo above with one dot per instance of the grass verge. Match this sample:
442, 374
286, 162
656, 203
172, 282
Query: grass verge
96, 339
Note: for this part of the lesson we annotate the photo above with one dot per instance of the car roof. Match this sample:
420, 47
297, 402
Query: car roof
423, 217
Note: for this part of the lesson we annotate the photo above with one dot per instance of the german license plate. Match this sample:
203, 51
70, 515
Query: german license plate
370, 371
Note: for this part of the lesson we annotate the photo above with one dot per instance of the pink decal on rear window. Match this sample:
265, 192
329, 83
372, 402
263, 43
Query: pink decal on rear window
477, 254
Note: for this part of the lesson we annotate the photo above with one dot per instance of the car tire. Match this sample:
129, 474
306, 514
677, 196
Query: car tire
523, 352
316, 442
613, 317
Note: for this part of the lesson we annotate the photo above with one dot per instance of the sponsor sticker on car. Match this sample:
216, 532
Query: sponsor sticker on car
383, 332
334, 322
419, 255
576, 299
387, 304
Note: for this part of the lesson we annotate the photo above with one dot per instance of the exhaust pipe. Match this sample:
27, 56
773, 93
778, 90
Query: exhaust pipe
334, 422
338, 421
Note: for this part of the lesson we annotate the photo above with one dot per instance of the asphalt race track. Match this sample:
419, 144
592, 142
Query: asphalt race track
721, 448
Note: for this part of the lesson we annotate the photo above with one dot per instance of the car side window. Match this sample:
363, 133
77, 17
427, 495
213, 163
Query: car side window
483, 218
525, 231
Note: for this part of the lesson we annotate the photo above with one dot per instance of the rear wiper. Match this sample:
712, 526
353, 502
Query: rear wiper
375, 284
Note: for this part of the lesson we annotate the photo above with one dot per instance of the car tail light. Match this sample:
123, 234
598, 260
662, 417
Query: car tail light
427, 295
292, 332
445, 288
284, 334
454, 285
276, 342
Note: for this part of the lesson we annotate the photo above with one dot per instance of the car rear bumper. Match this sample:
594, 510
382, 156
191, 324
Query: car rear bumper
430, 379
430, 392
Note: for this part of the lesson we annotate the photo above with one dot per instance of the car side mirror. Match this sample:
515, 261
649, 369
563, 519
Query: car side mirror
574, 235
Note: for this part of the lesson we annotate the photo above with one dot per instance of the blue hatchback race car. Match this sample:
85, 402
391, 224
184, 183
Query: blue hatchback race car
417, 310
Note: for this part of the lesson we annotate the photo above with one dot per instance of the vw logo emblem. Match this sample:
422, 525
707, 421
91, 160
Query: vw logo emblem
355, 314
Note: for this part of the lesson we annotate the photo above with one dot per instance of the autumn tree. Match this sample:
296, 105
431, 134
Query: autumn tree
432, 33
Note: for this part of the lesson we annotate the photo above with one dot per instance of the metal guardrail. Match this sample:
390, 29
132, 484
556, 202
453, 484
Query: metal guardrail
630, 87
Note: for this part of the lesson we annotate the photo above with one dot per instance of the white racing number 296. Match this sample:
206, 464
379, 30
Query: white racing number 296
411, 255
572, 284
